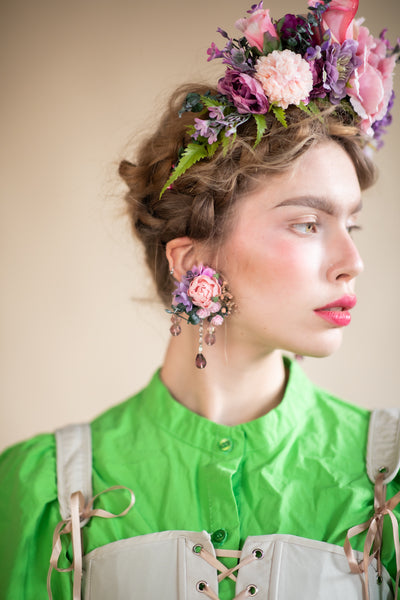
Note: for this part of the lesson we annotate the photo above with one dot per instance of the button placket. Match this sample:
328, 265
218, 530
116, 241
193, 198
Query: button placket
225, 444
219, 536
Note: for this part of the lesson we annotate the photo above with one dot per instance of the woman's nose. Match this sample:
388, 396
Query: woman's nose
347, 263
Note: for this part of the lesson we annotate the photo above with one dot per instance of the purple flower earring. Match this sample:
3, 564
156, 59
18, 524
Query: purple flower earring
201, 297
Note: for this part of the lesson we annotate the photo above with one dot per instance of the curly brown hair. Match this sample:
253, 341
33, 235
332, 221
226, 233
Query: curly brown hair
200, 201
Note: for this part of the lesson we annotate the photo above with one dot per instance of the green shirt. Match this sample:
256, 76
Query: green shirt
300, 469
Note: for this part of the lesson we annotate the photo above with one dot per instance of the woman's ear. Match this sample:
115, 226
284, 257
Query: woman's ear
181, 256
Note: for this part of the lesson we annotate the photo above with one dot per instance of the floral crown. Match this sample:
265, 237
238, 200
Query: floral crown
310, 61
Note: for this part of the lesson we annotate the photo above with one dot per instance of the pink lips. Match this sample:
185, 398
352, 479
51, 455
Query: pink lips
337, 312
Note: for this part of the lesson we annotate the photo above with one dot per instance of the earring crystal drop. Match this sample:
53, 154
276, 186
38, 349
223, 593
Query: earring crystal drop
200, 361
175, 328
209, 338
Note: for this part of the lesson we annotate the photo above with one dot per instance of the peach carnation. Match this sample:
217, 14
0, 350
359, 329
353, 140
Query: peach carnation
285, 77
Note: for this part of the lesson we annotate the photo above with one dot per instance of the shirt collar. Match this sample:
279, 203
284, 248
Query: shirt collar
269, 430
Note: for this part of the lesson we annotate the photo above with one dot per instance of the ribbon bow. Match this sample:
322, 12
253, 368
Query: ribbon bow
373, 540
80, 514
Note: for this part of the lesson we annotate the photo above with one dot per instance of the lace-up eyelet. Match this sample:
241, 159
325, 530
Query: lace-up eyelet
258, 553
201, 586
251, 590
197, 548
383, 470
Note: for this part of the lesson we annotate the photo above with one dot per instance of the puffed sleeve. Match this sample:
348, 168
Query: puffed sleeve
29, 513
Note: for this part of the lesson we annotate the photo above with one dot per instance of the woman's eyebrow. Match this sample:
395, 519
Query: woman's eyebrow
323, 204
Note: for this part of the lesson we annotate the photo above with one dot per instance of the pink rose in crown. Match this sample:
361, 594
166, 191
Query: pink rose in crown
338, 18
370, 86
202, 290
254, 27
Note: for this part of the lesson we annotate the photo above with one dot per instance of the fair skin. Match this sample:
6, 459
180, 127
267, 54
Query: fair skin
289, 252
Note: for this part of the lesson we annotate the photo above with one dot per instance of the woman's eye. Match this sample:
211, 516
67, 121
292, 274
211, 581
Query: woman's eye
352, 228
305, 227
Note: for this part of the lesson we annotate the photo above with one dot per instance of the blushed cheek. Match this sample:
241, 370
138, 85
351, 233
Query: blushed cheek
282, 259
275, 258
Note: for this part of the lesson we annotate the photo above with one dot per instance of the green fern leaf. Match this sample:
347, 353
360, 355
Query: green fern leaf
211, 150
279, 114
305, 108
192, 154
211, 101
227, 142
311, 109
261, 123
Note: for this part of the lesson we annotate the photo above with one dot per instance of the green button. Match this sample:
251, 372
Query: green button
225, 445
219, 536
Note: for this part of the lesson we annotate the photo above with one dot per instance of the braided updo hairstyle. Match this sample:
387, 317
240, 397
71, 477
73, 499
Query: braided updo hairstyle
200, 202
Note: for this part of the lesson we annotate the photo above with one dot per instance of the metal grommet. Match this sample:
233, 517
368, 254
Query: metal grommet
383, 470
201, 586
258, 553
197, 548
379, 580
251, 590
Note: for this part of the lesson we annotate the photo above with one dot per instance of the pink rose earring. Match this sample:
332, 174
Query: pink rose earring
202, 296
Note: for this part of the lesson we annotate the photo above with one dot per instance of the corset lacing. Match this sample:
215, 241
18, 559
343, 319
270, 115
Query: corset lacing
373, 540
204, 588
80, 514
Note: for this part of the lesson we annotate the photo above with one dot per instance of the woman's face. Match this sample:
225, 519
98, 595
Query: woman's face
290, 254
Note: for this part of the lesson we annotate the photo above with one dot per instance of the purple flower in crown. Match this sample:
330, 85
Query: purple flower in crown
340, 62
379, 127
214, 52
216, 112
318, 72
206, 128
244, 91
255, 7
317, 66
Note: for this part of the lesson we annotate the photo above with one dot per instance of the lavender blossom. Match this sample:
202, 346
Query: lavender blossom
206, 128
213, 52
216, 112
255, 7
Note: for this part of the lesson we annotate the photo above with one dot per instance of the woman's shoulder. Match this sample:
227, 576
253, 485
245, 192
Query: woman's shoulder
34, 456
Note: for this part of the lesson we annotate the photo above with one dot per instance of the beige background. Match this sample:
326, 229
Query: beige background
78, 79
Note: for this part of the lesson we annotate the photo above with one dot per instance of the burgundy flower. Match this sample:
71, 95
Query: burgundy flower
244, 91
295, 33
317, 70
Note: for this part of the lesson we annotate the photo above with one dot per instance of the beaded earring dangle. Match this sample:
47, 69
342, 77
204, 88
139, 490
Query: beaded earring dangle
202, 298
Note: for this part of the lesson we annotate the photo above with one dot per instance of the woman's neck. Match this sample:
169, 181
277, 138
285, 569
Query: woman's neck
235, 387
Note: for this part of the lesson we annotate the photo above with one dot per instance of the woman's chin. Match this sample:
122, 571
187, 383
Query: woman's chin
321, 348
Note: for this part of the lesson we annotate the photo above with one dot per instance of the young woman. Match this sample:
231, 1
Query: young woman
230, 475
